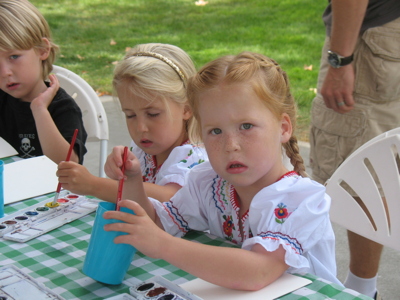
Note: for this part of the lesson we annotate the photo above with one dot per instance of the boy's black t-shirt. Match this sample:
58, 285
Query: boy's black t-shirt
18, 128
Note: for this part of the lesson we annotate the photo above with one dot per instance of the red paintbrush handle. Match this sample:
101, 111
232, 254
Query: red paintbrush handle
71, 146
58, 187
121, 182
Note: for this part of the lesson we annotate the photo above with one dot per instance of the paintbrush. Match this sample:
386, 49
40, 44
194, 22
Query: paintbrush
121, 182
71, 146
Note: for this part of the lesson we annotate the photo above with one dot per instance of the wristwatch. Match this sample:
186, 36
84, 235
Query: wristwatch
337, 61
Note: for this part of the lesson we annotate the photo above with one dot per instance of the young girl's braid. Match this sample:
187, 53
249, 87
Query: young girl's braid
291, 147
293, 152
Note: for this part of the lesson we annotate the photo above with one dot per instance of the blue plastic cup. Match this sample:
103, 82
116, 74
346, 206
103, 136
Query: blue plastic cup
106, 261
1, 189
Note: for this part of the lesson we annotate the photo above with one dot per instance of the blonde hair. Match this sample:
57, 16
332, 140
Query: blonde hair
268, 81
156, 69
23, 27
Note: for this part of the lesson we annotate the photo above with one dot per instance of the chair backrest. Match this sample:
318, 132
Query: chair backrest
373, 164
94, 115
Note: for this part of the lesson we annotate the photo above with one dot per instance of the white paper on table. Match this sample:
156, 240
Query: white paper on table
6, 149
283, 285
29, 178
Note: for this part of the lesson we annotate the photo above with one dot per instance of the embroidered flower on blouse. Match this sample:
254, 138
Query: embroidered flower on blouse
151, 169
281, 213
193, 164
228, 226
196, 163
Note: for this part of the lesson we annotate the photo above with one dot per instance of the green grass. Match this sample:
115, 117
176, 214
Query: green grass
289, 31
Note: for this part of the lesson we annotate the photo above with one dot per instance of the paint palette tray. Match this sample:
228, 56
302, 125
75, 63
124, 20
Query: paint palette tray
159, 288
123, 296
16, 285
41, 218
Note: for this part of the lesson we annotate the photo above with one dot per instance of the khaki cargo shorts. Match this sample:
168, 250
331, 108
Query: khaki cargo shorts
334, 136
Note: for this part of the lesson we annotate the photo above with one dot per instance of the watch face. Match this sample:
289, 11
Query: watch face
333, 60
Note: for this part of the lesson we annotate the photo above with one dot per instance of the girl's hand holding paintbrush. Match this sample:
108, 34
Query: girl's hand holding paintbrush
133, 182
141, 227
114, 162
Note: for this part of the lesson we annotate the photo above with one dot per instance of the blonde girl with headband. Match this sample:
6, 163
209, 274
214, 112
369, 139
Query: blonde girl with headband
150, 83
37, 117
244, 194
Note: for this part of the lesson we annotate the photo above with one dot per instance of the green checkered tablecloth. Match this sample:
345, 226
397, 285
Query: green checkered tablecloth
56, 260
10, 159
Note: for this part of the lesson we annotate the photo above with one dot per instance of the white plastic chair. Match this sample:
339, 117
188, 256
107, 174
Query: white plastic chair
383, 225
94, 115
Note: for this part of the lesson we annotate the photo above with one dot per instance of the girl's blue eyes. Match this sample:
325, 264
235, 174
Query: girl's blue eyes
245, 126
216, 131
14, 56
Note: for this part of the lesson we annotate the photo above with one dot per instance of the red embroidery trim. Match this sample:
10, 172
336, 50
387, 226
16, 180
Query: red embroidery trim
288, 174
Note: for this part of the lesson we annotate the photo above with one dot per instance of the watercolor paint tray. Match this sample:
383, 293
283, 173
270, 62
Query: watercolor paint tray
16, 285
159, 288
123, 296
40, 218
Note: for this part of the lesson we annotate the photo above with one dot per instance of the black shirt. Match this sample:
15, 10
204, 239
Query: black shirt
378, 13
18, 128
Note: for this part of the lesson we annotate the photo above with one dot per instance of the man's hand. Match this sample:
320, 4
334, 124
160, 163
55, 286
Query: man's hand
338, 88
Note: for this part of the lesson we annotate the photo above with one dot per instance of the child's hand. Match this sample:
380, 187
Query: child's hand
44, 99
75, 178
114, 161
142, 232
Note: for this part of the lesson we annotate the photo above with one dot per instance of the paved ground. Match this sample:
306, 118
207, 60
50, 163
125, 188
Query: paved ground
389, 275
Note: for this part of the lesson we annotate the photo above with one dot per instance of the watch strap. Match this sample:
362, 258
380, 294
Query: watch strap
346, 60
337, 60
